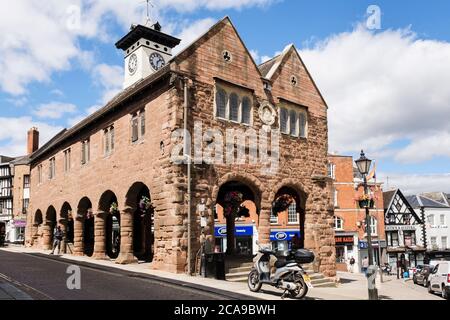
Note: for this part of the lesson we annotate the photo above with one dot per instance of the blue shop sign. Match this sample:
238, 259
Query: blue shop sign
283, 235
244, 231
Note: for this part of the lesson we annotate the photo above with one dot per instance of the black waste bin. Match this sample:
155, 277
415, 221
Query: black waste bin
213, 266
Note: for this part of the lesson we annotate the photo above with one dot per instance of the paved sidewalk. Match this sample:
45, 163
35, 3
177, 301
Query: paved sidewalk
352, 286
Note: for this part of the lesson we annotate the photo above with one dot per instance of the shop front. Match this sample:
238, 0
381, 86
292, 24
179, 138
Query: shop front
378, 247
282, 239
403, 259
245, 239
345, 250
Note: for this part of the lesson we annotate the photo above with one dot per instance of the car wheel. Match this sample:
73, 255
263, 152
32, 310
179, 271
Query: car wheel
444, 293
430, 290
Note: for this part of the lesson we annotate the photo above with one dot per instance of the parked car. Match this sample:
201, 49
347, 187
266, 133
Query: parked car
439, 279
421, 275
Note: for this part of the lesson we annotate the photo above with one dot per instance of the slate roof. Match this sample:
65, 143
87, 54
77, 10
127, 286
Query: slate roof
387, 198
265, 67
418, 201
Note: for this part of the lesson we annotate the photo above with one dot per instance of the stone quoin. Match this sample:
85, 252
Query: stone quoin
92, 179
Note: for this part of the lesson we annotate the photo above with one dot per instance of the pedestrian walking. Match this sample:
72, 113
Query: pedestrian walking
365, 265
352, 264
58, 237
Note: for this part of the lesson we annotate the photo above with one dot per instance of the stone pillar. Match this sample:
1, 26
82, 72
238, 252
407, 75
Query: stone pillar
78, 241
264, 225
47, 236
63, 224
100, 237
126, 255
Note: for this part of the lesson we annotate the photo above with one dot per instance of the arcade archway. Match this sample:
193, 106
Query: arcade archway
50, 225
85, 210
109, 205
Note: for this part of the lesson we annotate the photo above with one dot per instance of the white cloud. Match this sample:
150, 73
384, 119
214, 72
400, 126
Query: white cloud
191, 5
110, 79
54, 110
13, 134
416, 183
383, 88
191, 31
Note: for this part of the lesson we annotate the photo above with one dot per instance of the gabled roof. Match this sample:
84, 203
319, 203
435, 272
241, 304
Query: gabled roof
270, 68
396, 204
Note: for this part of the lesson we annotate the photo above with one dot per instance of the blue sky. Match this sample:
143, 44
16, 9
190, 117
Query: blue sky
384, 87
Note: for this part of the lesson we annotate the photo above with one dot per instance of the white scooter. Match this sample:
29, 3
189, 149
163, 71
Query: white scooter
288, 276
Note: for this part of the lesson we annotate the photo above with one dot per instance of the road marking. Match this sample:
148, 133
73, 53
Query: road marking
19, 284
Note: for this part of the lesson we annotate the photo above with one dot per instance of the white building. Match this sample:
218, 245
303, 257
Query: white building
435, 209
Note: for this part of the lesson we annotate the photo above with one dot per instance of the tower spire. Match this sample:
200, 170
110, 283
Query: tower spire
149, 4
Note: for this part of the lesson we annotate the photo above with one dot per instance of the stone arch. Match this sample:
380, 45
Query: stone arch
295, 189
252, 195
85, 219
67, 223
36, 228
251, 181
143, 221
50, 223
112, 223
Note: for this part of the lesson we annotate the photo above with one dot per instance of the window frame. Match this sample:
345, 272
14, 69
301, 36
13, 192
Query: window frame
298, 110
241, 95
108, 140
67, 160
85, 152
138, 126
341, 221
52, 168
26, 181
297, 214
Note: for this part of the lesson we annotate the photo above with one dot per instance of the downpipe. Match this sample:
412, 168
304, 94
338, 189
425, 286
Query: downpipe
188, 163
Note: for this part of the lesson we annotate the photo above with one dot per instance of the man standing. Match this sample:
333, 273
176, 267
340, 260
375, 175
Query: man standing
58, 236
365, 265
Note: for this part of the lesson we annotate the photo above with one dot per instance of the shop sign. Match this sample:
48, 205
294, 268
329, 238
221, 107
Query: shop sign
20, 223
285, 235
5, 217
344, 240
365, 244
399, 227
244, 231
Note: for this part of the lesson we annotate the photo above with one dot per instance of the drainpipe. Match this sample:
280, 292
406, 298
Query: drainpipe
188, 163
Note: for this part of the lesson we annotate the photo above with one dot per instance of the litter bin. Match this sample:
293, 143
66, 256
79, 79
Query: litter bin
213, 266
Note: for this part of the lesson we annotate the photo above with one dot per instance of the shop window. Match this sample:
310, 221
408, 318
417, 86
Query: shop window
409, 238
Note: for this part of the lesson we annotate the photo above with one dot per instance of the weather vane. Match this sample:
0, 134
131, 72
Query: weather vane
149, 4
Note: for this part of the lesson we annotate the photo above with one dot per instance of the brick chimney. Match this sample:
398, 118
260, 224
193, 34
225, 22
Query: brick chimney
33, 140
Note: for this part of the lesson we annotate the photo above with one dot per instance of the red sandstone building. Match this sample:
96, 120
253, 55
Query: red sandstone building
349, 225
98, 178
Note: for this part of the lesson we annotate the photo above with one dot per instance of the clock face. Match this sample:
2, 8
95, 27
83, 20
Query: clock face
157, 61
132, 64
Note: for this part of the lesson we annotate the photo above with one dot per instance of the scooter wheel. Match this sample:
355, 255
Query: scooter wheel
302, 290
253, 281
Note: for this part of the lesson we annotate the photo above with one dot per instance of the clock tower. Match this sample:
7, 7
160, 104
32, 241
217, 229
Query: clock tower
146, 50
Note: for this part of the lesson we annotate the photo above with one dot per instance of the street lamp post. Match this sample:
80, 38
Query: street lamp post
363, 165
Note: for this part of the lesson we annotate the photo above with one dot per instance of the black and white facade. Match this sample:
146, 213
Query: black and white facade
403, 228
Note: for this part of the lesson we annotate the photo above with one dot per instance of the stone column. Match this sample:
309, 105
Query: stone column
63, 224
78, 241
126, 255
264, 225
100, 236
47, 236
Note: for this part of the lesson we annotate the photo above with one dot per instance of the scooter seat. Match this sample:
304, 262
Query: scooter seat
282, 263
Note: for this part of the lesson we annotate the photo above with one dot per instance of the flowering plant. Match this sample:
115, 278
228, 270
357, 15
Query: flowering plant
146, 206
366, 200
233, 201
114, 208
282, 203
89, 214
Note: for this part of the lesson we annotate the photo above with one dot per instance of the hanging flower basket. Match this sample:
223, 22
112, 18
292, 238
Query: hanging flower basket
89, 214
146, 206
114, 208
282, 203
366, 201
233, 201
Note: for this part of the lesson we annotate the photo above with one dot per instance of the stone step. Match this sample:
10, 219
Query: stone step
241, 269
230, 276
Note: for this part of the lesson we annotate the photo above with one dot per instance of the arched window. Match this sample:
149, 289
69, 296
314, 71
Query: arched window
234, 107
284, 115
221, 103
338, 223
302, 117
293, 121
246, 110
